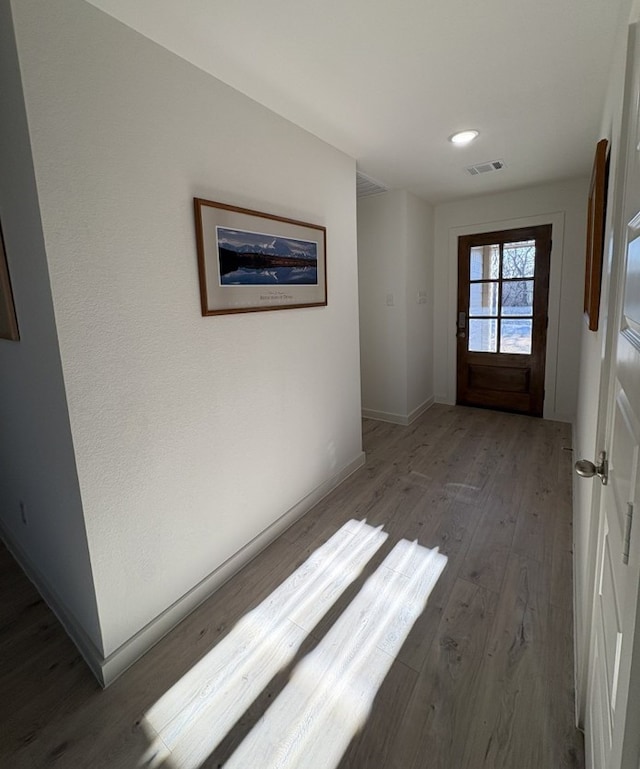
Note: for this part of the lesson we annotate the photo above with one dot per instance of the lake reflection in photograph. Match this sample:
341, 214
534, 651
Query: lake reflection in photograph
255, 259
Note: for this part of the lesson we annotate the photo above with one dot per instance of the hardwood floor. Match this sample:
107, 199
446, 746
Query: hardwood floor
484, 679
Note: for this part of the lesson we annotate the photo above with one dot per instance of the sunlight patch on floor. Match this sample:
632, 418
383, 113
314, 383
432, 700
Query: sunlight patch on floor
312, 721
195, 715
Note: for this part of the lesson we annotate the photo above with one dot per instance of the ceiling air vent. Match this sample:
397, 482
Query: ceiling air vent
366, 186
485, 168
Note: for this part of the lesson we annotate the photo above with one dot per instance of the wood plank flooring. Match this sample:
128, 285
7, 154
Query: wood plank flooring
484, 678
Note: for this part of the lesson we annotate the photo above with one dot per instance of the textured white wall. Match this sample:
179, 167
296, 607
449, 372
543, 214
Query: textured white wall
420, 234
382, 272
37, 465
395, 257
191, 434
564, 204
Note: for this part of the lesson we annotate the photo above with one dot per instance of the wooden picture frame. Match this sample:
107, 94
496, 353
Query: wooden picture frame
8, 320
596, 213
249, 261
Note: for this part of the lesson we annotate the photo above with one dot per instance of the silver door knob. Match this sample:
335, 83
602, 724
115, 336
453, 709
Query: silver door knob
587, 469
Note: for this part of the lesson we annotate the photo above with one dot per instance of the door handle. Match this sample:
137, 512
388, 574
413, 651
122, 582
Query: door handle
587, 469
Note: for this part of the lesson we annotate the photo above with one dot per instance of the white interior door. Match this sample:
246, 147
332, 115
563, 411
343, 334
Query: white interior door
613, 728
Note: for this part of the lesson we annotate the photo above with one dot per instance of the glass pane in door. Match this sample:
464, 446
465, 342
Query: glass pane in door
483, 335
518, 259
484, 263
515, 336
483, 299
517, 297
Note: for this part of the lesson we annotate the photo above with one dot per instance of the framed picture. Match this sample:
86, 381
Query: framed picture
249, 261
8, 321
596, 213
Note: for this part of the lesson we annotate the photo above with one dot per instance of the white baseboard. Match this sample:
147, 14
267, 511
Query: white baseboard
123, 657
419, 411
385, 416
106, 670
554, 416
73, 628
580, 661
398, 419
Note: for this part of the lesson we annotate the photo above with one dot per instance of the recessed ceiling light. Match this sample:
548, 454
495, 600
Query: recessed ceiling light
463, 137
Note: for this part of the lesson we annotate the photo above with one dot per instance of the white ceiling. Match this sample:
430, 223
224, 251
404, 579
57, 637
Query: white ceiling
387, 81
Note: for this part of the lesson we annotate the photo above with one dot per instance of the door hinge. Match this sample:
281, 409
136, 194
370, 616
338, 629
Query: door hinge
627, 533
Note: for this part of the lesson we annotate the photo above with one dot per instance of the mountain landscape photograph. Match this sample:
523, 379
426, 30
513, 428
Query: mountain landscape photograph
253, 258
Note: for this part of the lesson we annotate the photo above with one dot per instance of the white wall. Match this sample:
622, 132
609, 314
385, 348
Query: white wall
37, 464
564, 205
383, 326
395, 262
419, 293
192, 435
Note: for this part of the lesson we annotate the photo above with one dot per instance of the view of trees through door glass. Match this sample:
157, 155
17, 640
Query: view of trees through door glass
501, 278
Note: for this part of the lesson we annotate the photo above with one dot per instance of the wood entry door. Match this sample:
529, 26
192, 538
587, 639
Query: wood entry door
503, 294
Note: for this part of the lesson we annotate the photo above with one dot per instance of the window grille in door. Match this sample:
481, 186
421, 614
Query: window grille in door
501, 297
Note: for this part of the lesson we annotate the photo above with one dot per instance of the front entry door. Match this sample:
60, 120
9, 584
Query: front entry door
613, 705
503, 292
